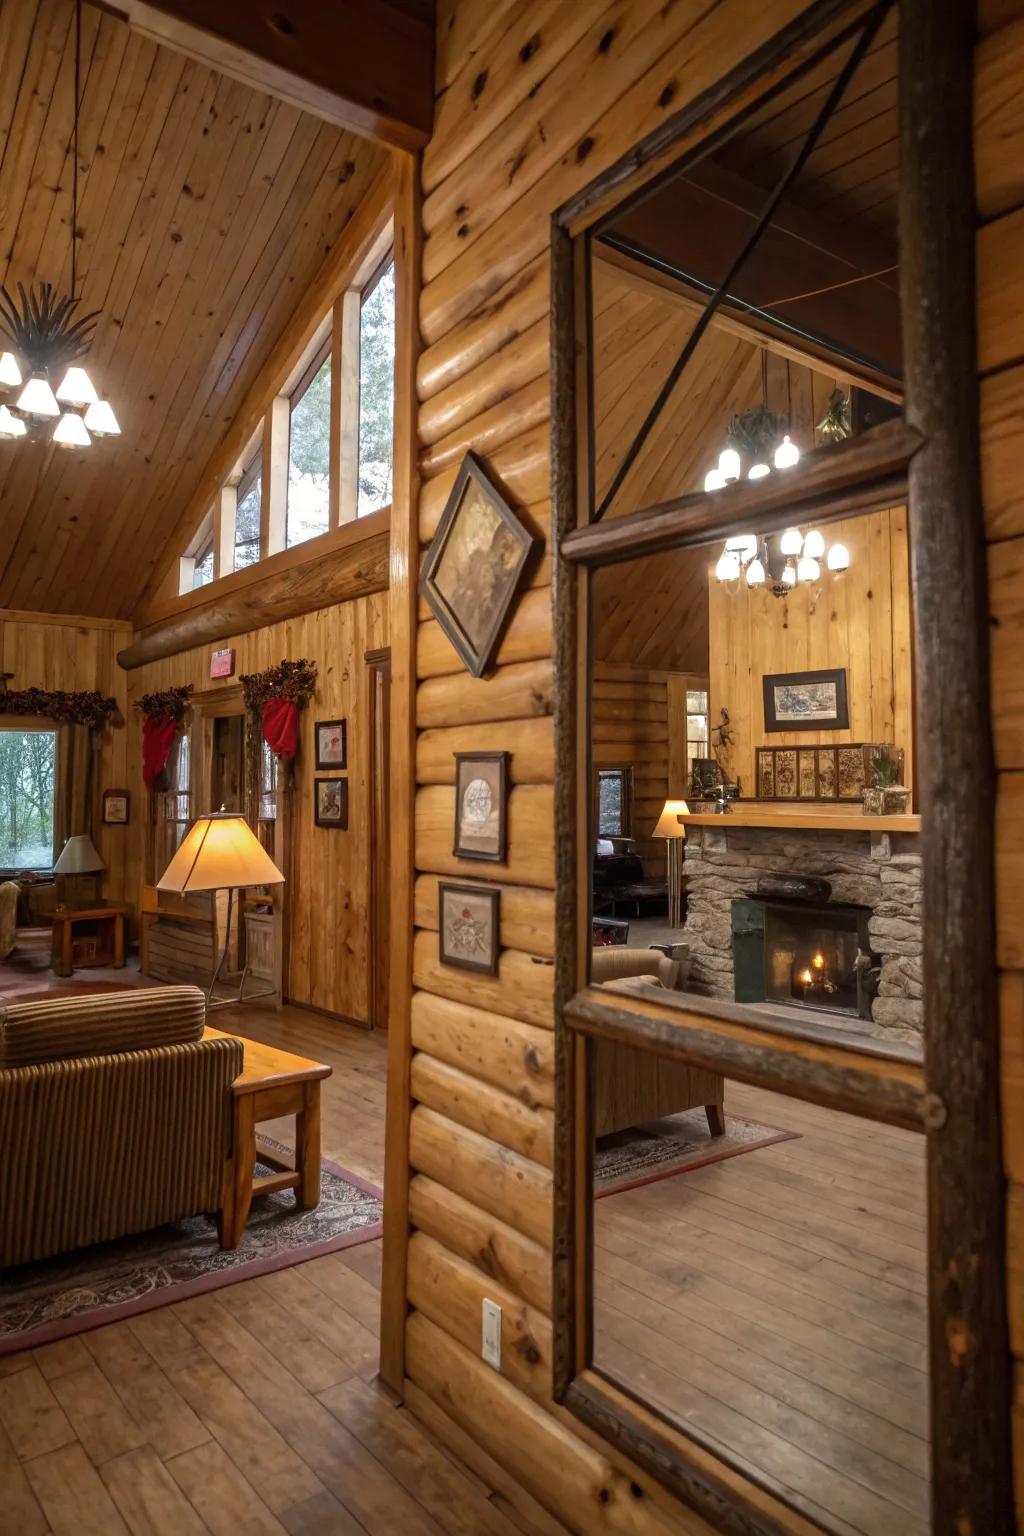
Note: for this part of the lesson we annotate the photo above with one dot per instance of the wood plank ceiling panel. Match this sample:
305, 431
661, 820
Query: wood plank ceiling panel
205, 210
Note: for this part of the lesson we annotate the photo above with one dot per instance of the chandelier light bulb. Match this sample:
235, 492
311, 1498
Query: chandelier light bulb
10, 373
37, 397
728, 567
789, 574
838, 558
70, 431
787, 454
10, 426
713, 480
814, 545
100, 419
756, 572
758, 471
729, 464
76, 388
808, 568
792, 541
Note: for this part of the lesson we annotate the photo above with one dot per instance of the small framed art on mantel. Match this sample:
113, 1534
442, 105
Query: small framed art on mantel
806, 701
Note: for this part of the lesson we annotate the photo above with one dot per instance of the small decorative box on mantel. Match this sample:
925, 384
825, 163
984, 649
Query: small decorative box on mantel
814, 773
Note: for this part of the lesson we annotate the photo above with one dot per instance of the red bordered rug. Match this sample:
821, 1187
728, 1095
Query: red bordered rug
643, 1154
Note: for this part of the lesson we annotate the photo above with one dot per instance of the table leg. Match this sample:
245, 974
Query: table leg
66, 941
307, 1149
240, 1171
118, 941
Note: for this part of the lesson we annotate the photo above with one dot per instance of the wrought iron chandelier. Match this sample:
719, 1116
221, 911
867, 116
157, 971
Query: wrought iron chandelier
45, 392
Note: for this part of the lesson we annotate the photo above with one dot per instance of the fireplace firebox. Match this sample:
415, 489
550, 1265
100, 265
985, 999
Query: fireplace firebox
804, 956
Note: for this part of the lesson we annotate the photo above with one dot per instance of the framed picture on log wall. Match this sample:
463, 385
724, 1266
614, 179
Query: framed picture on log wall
331, 806
481, 796
474, 564
806, 701
115, 807
331, 743
468, 921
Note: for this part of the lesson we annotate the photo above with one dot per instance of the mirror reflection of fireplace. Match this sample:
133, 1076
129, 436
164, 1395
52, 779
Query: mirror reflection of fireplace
804, 956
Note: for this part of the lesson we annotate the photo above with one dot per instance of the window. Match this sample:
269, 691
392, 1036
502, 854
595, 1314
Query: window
202, 569
247, 515
309, 453
614, 802
27, 780
376, 391
696, 725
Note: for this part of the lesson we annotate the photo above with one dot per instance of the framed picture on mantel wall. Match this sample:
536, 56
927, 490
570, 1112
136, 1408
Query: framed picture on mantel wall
806, 701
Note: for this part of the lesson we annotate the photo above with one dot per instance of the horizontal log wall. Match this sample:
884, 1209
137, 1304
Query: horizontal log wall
534, 99
999, 157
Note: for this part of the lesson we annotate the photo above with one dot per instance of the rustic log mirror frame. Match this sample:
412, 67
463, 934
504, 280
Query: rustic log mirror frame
932, 458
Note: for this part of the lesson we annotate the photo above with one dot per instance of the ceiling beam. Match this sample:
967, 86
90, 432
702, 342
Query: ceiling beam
369, 68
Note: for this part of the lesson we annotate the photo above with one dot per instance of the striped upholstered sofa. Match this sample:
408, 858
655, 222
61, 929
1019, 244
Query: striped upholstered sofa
115, 1116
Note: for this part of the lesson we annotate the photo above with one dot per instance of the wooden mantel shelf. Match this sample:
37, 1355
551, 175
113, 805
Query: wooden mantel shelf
805, 817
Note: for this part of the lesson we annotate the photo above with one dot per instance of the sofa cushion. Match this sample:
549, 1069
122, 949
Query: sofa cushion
133, 1020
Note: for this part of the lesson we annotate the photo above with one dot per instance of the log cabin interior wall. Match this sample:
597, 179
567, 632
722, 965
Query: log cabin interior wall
999, 141
328, 935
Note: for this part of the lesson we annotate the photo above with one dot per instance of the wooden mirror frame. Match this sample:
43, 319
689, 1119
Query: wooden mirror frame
953, 1099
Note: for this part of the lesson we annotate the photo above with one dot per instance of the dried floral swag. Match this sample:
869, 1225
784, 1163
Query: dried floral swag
87, 708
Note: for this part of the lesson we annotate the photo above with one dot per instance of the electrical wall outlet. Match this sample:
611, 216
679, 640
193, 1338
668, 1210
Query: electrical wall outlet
490, 1336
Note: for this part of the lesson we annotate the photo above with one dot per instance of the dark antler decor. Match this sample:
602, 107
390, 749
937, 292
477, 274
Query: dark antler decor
41, 330
162, 716
86, 708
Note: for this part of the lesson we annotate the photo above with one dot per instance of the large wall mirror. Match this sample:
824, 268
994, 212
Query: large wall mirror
766, 1174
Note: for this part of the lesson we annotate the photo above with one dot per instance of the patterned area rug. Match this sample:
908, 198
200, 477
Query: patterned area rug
643, 1154
74, 1292
27, 974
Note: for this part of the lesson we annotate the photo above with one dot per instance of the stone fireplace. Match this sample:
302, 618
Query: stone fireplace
874, 910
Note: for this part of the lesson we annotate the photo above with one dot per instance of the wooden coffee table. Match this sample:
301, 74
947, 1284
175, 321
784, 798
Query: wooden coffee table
108, 921
271, 1083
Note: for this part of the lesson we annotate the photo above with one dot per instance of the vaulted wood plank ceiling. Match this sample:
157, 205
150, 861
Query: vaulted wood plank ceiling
205, 209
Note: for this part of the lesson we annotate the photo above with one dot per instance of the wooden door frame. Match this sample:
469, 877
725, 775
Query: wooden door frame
954, 1098
378, 679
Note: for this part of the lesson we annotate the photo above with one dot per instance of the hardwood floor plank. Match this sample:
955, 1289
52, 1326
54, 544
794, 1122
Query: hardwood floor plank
227, 1503
20, 1506
72, 1496
332, 1325
31, 1415
285, 1335
58, 1358
169, 1424
103, 1425
359, 1298
150, 1501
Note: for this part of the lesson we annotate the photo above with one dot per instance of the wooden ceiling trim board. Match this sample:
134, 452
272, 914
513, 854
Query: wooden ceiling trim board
381, 89
17, 26
46, 46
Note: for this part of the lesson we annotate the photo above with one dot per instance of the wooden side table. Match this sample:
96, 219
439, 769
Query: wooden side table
109, 925
271, 1083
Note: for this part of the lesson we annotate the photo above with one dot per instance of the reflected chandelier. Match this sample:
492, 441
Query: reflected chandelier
42, 383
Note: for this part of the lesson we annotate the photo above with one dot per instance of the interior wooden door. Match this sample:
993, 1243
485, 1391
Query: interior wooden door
379, 681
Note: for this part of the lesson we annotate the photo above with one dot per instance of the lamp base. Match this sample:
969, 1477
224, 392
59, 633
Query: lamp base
242, 996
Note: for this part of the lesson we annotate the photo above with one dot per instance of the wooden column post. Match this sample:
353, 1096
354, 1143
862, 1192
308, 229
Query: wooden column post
347, 313
274, 491
224, 531
971, 1460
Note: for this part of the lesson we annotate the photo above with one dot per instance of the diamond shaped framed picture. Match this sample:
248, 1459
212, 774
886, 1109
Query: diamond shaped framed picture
474, 565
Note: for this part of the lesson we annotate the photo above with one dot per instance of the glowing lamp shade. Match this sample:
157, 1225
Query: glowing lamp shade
786, 454
808, 569
70, 432
838, 558
10, 426
76, 388
729, 464
713, 481
743, 544
758, 471
37, 398
728, 567
789, 574
79, 857
100, 420
756, 573
792, 541
814, 545
219, 853
10, 373
669, 824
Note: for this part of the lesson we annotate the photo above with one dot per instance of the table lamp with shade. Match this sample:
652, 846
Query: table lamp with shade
221, 852
671, 828
79, 856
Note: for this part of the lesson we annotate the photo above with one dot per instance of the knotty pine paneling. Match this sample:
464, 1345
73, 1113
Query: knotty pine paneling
533, 101
329, 885
999, 82
73, 655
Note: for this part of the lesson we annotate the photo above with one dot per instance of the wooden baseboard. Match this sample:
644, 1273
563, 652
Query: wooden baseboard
327, 1013
520, 1507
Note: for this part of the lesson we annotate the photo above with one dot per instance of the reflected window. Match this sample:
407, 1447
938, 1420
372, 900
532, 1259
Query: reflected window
614, 802
202, 570
247, 514
376, 392
309, 453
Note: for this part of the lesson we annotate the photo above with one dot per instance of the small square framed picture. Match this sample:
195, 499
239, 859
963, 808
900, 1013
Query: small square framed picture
331, 805
468, 922
332, 744
115, 807
481, 798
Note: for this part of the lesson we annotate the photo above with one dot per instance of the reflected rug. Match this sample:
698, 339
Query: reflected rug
71, 1293
643, 1154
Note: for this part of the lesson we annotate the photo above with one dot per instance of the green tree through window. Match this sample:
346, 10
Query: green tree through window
27, 774
376, 393
309, 459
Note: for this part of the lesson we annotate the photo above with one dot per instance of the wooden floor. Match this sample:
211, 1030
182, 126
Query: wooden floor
776, 1301
248, 1412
